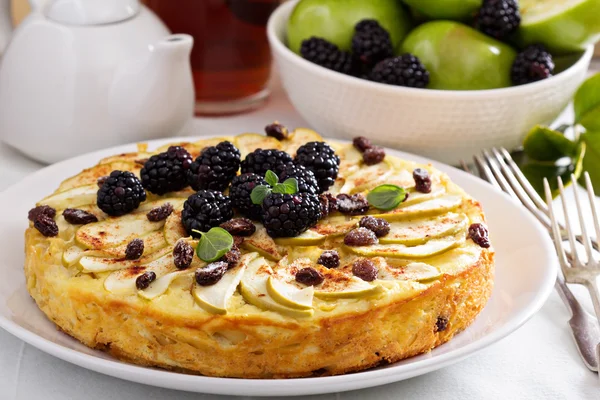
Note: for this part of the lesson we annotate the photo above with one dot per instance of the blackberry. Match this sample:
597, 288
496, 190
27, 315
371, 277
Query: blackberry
532, 64
260, 161
327, 55
215, 167
307, 183
205, 209
498, 18
239, 192
405, 70
371, 43
288, 215
165, 172
321, 159
121, 193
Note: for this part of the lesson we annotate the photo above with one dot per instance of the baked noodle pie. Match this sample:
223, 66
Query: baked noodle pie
256, 256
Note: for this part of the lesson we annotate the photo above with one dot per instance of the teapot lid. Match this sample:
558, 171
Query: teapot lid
91, 12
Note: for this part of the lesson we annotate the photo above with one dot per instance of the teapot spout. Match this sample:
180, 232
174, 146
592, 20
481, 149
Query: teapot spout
156, 94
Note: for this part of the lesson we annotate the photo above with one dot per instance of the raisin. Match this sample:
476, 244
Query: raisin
361, 143
76, 216
145, 279
183, 254
352, 205
329, 259
441, 324
160, 213
100, 181
479, 234
309, 276
374, 155
379, 226
39, 210
277, 131
422, 180
232, 257
134, 249
365, 270
211, 274
360, 237
237, 241
239, 227
328, 204
46, 225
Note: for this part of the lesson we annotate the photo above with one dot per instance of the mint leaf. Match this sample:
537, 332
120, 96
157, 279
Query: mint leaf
545, 144
386, 197
271, 178
259, 193
587, 104
591, 161
289, 186
214, 244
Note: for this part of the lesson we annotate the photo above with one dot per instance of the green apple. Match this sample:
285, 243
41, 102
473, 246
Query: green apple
417, 232
248, 142
460, 58
70, 198
367, 177
459, 10
161, 260
423, 209
414, 271
161, 285
307, 238
352, 288
289, 295
562, 26
334, 20
262, 243
215, 298
174, 229
431, 248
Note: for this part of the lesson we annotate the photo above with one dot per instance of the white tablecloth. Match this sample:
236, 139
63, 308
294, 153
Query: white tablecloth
539, 361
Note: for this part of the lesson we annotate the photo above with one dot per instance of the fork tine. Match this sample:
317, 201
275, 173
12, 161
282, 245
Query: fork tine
485, 171
587, 243
568, 225
592, 198
535, 197
465, 167
493, 165
558, 243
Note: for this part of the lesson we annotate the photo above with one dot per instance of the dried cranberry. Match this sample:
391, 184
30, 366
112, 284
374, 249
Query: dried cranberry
160, 213
441, 324
76, 216
352, 205
479, 234
183, 254
45, 225
232, 257
134, 249
100, 181
239, 227
277, 131
422, 180
374, 155
360, 237
379, 226
211, 274
361, 143
145, 279
328, 204
329, 259
365, 270
309, 276
39, 210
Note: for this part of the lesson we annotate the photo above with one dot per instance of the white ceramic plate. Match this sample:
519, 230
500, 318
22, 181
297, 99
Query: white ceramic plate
525, 272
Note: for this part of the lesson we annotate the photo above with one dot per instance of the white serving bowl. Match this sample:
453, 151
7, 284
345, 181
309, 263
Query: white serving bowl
446, 125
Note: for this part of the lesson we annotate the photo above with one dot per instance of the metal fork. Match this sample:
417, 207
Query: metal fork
502, 172
575, 268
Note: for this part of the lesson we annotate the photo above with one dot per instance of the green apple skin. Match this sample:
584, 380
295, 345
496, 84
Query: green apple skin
334, 20
459, 10
570, 30
460, 58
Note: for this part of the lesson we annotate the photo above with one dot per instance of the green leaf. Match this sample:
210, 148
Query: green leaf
259, 193
214, 244
289, 186
545, 144
271, 178
587, 104
591, 161
386, 197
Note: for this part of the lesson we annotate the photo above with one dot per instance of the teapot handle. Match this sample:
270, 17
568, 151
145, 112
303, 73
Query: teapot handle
6, 26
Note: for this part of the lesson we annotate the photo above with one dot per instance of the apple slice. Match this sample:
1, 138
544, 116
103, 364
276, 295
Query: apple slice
201, 144
161, 285
72, 198
335, 225
90, 176
102, 264
367, 178
174, 229
350, 159
264, 244
248, 142
431, 248
135, 157
426, 208
253, 287
413, 232
415, 271
215, 298
299, 137
290, 295
306, 238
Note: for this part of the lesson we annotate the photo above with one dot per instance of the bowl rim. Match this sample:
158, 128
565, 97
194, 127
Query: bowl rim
277, 46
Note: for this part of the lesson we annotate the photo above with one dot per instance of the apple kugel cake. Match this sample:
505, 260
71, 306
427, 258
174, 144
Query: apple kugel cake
258, 256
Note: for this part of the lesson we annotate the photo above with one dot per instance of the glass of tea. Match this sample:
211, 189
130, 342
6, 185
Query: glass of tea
231, 61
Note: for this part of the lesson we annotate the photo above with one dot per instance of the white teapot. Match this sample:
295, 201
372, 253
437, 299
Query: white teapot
81, 75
